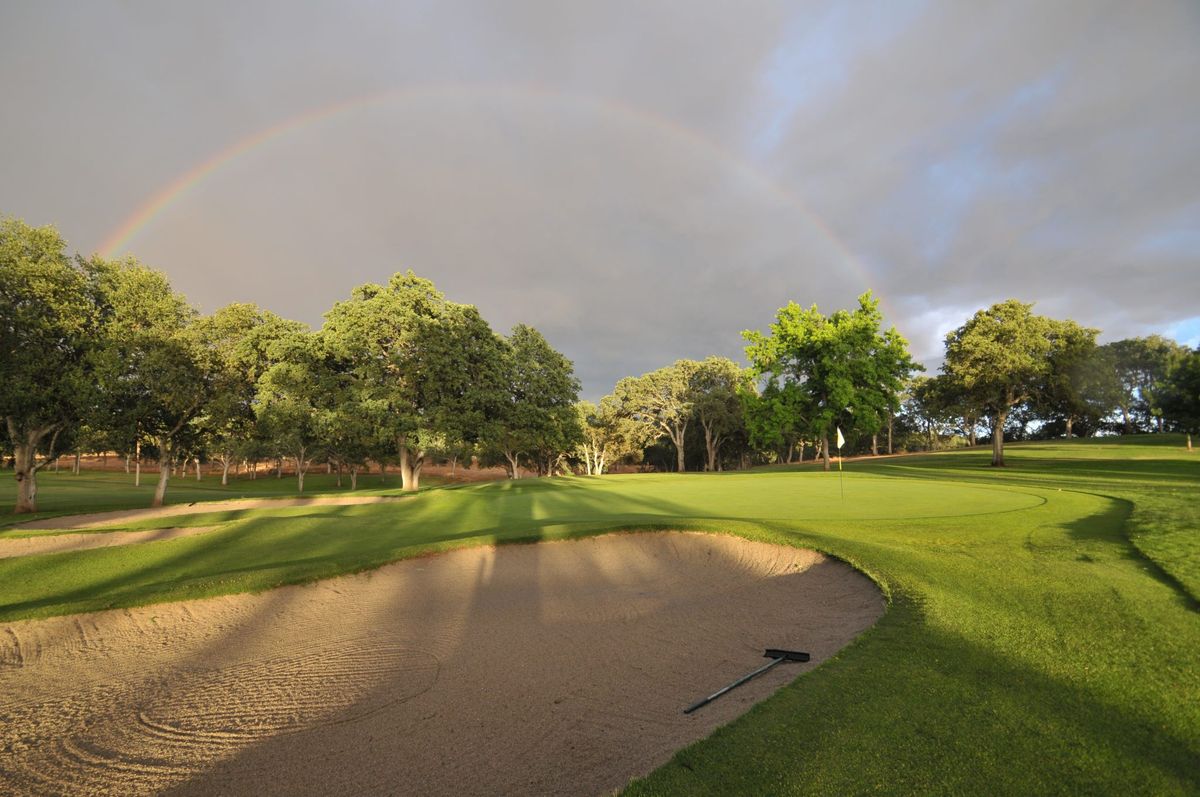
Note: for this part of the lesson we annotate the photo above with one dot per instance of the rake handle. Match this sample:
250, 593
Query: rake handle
733, 685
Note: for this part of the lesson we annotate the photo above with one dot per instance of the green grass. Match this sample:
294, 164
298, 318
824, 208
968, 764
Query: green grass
95, 491
1042, 633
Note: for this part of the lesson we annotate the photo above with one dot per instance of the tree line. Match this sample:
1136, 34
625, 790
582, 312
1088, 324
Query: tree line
103, 355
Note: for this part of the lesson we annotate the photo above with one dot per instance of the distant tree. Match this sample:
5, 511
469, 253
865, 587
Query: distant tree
1064, 393
845, 368
536, 423
46, 328
1001, 358
1180, 395
608, 435
429, 365
1142, 365
153, 373
662, 400
290, 397
776, 419
716, 388
238, 337
930, 407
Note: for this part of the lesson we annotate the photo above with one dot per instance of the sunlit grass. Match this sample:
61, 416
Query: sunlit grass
1030, 645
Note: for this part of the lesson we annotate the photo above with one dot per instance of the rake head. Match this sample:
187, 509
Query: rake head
786, 655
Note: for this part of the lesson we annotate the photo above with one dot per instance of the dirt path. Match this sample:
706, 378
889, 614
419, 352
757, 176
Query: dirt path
95, 519
553, 668
59, 543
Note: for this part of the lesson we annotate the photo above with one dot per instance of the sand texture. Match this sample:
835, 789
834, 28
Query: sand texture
556, 668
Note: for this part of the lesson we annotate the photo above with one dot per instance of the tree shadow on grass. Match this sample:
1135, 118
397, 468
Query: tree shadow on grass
913, 709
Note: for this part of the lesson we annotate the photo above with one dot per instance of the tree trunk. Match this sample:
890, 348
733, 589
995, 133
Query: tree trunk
137, 463
874, 445
1125, 416
75, 467
677, 439
339, 474
25, 464
891, 423
279, 468
1189, 441
1070, 422
353, 477
411, 461
511, 459
127, 463
825, 451
254, 470
164, 471
710, 448
998, 440
225, 472
300, 471
197, 468
23, 455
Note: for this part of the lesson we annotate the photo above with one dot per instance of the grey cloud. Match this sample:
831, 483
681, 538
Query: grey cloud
645, 195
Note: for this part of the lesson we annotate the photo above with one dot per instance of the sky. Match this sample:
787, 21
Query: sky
641, 181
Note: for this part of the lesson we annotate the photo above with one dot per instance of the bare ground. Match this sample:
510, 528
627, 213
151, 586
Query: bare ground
557, 668
101, 519
60, 543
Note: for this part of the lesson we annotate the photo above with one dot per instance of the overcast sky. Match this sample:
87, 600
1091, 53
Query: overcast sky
641, 181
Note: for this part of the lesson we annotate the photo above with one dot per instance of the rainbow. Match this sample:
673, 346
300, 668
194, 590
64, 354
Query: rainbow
120, 238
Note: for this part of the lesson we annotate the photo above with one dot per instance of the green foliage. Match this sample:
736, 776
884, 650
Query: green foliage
1179, 396
47, 326
536, 423
1142, 365
428, 369
662, 401
608, 435
841, 370
717, 388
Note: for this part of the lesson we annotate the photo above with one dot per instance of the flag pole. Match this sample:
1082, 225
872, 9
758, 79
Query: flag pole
841, 484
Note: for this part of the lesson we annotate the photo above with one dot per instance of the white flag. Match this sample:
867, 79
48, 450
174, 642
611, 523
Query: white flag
841, 440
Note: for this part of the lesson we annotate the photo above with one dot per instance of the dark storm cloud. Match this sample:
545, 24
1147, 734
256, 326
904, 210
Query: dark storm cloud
638, 180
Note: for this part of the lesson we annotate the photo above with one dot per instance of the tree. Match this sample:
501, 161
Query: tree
290, 395
46, 329
716, 388
608, 435
661, 400
429, 365
1063, 392
845, 371
537, 421
152, 369
1180, 395
239, 337
775, 419
1142, 364
1001, 358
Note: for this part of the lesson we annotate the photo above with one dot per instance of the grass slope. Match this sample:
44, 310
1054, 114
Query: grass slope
1030, 646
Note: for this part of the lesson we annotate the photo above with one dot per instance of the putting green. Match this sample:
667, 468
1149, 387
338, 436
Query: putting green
811, 496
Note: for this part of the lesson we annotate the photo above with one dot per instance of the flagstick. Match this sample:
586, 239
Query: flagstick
841, 485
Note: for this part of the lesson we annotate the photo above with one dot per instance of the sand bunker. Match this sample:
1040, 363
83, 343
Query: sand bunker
553, 668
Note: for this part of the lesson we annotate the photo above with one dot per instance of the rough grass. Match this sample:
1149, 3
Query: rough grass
1031, 646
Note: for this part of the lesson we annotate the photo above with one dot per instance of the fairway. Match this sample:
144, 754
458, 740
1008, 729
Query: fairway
1028, 643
